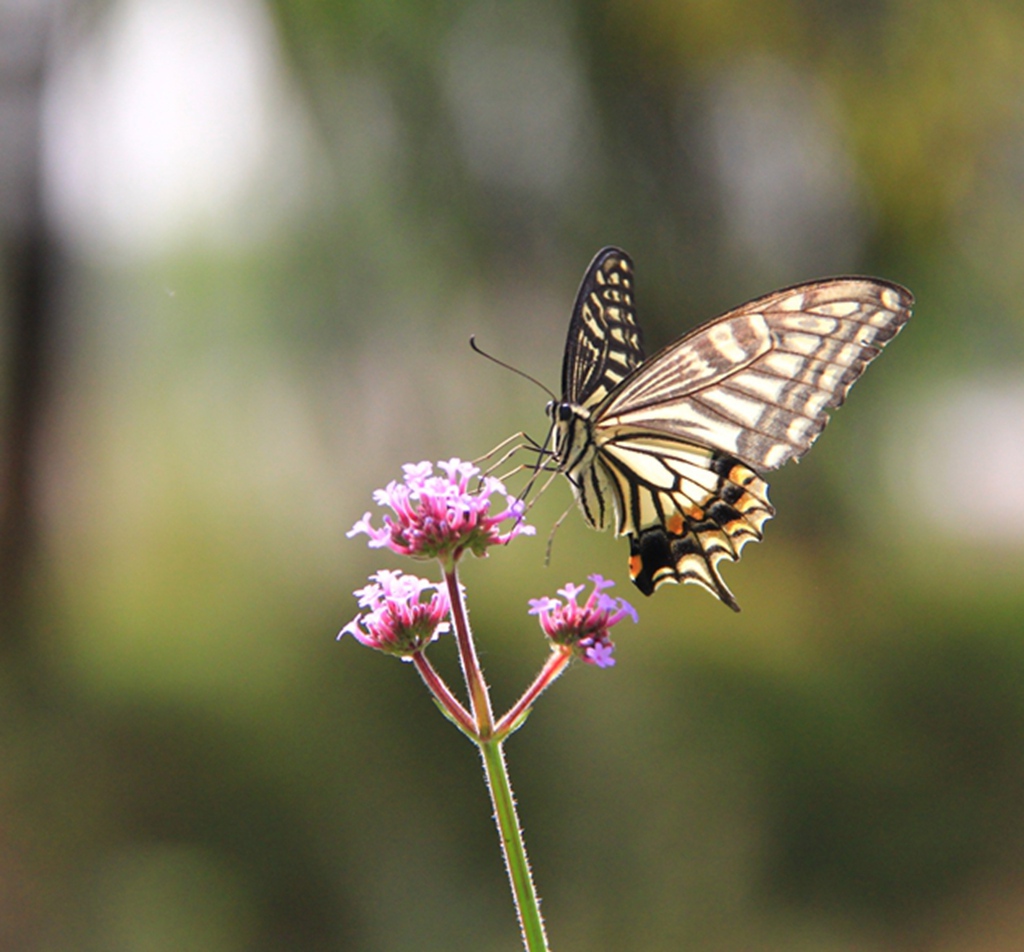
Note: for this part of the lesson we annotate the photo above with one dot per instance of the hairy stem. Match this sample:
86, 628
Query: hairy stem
498, 784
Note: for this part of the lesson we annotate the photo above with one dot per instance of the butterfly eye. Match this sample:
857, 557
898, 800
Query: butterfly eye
565, 412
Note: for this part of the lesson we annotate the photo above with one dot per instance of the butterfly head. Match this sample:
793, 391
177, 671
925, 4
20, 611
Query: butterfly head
571, 426
561, 411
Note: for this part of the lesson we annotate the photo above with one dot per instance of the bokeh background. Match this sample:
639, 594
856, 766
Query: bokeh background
242, 247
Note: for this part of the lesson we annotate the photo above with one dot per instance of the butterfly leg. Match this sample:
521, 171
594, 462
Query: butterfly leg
526, 442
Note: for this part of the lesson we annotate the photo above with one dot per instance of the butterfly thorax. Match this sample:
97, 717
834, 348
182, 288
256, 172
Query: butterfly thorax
574, 452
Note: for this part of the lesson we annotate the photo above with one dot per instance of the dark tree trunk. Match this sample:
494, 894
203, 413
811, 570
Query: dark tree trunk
28, 266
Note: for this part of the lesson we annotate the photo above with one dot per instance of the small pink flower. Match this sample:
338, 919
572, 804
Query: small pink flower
399, 622
583, 627
440, 516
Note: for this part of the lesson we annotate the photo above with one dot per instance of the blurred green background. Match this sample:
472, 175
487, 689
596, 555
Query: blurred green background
243, 247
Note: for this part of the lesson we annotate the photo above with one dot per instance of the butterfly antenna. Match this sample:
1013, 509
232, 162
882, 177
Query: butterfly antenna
515, 370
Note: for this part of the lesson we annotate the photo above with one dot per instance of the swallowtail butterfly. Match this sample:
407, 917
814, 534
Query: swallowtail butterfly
669, 450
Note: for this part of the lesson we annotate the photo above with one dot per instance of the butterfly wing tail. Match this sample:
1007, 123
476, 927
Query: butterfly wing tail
688, 549
658, 557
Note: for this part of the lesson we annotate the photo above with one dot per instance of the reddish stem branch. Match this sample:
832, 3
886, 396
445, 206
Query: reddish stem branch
557, 662
479, 697
443, 694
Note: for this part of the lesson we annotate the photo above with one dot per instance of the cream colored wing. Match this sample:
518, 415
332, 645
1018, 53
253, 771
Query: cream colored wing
756, 383
680, 440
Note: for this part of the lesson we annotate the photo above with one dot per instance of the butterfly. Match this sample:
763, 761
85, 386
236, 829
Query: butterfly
669, 450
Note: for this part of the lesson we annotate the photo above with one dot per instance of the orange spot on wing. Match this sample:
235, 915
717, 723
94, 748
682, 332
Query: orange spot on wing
742, 476
635, 566
674, 524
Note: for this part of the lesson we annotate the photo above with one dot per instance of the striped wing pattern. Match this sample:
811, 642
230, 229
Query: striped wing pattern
605, 343
671, 452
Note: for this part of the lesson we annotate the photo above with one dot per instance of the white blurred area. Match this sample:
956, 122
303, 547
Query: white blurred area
168, 121
519, 100
956, 461
789, 199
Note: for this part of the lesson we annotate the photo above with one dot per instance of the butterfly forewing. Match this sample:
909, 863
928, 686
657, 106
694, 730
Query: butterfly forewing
669, 449
604, 343
757, 381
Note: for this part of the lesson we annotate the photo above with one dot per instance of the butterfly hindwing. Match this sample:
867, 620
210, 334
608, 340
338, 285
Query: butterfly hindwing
688, 547
669, 449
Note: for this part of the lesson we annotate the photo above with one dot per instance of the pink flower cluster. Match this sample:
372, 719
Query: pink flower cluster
399, 622
583, 627
439, 516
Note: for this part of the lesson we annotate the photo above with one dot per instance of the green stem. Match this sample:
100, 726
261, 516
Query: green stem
498, 784
518, 866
